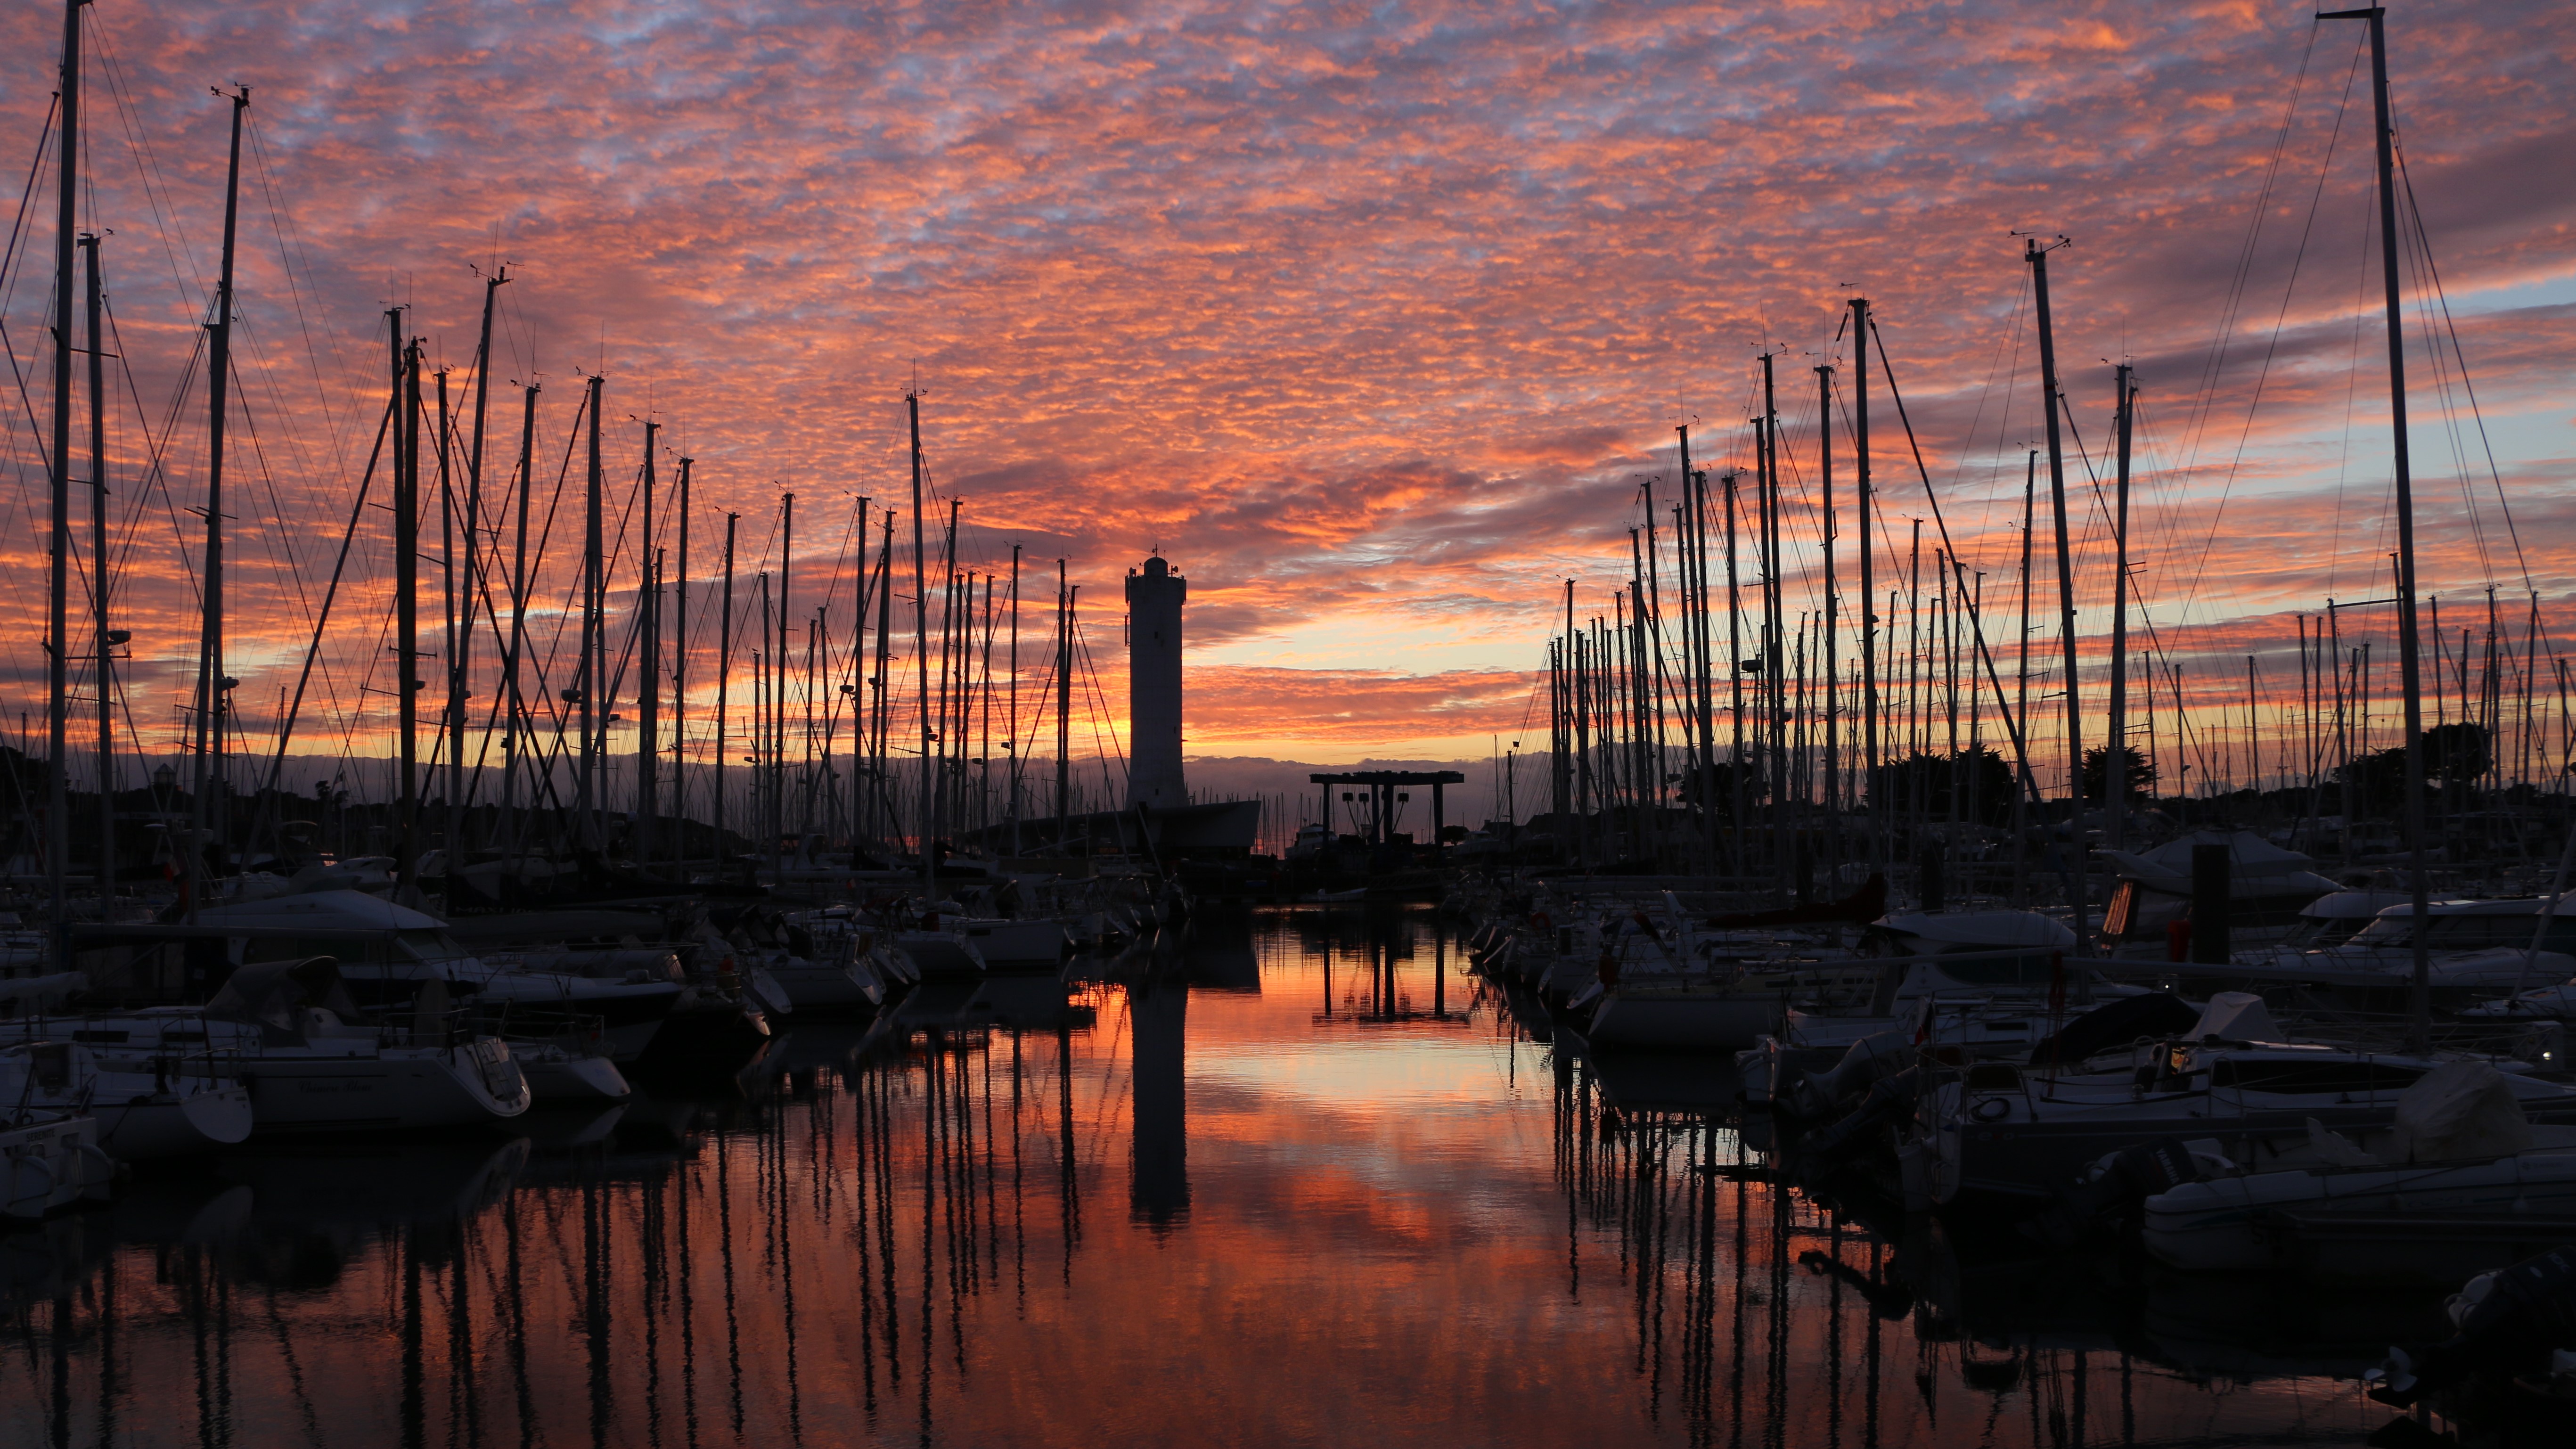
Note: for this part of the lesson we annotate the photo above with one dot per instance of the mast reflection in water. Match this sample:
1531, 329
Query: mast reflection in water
1361, 1203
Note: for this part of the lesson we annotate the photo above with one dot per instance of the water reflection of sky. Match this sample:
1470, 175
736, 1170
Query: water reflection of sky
1204, 1211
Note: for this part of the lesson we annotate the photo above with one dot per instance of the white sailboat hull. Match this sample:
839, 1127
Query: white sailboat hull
401, 1088
186, 1125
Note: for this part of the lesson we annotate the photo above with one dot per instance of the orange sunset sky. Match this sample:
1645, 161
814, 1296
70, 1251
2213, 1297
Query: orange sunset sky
1372, 318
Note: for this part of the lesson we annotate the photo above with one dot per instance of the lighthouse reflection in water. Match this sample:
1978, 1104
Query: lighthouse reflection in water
1292, 1178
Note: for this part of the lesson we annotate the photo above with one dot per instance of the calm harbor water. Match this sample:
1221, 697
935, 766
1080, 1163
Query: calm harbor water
1296, 1180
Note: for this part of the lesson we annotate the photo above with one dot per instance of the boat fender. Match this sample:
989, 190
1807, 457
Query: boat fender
101, 1174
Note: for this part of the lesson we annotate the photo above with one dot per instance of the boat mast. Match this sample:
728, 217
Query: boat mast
452, 716
680, 688
2115, 765
1832, 606
1775, 616
1063, 705
212, 696
1013, 712
104, 642
2409, 664
878, 784
594, 587
921, 653
58, 815
464, 661
648, 673
1868, 595
724, 686
407, 681
1735, 675
2037, 256
515, 737
781, 666
2021, 675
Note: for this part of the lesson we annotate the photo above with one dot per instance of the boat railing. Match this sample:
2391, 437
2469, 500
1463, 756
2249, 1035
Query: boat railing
2309, 1020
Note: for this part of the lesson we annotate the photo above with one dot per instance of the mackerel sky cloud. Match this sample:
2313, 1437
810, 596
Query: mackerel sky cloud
1373, 318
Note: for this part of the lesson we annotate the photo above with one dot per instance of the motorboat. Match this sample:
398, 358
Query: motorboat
2459, 1150
171, 1109
2330, 920
2007, 1131
2475, 946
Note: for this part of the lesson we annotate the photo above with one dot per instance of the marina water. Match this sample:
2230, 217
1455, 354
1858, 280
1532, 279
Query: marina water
1293, 1178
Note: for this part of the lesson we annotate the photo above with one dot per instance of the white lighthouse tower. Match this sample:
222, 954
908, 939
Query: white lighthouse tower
1154, 598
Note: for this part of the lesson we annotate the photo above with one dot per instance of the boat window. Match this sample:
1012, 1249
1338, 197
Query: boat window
2478, 933
2470, 933
2279, 1074
1991, 968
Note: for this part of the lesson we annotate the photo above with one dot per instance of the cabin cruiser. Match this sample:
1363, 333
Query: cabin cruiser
2475, 946
389, 952
2459, 1148
2330, 920
288, 1031
2006, 1131
170, 1108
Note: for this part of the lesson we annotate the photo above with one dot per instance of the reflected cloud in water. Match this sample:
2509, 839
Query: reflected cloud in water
1360, 1202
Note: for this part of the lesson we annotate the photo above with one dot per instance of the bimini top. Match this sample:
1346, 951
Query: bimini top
2236, 1016
272, 995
